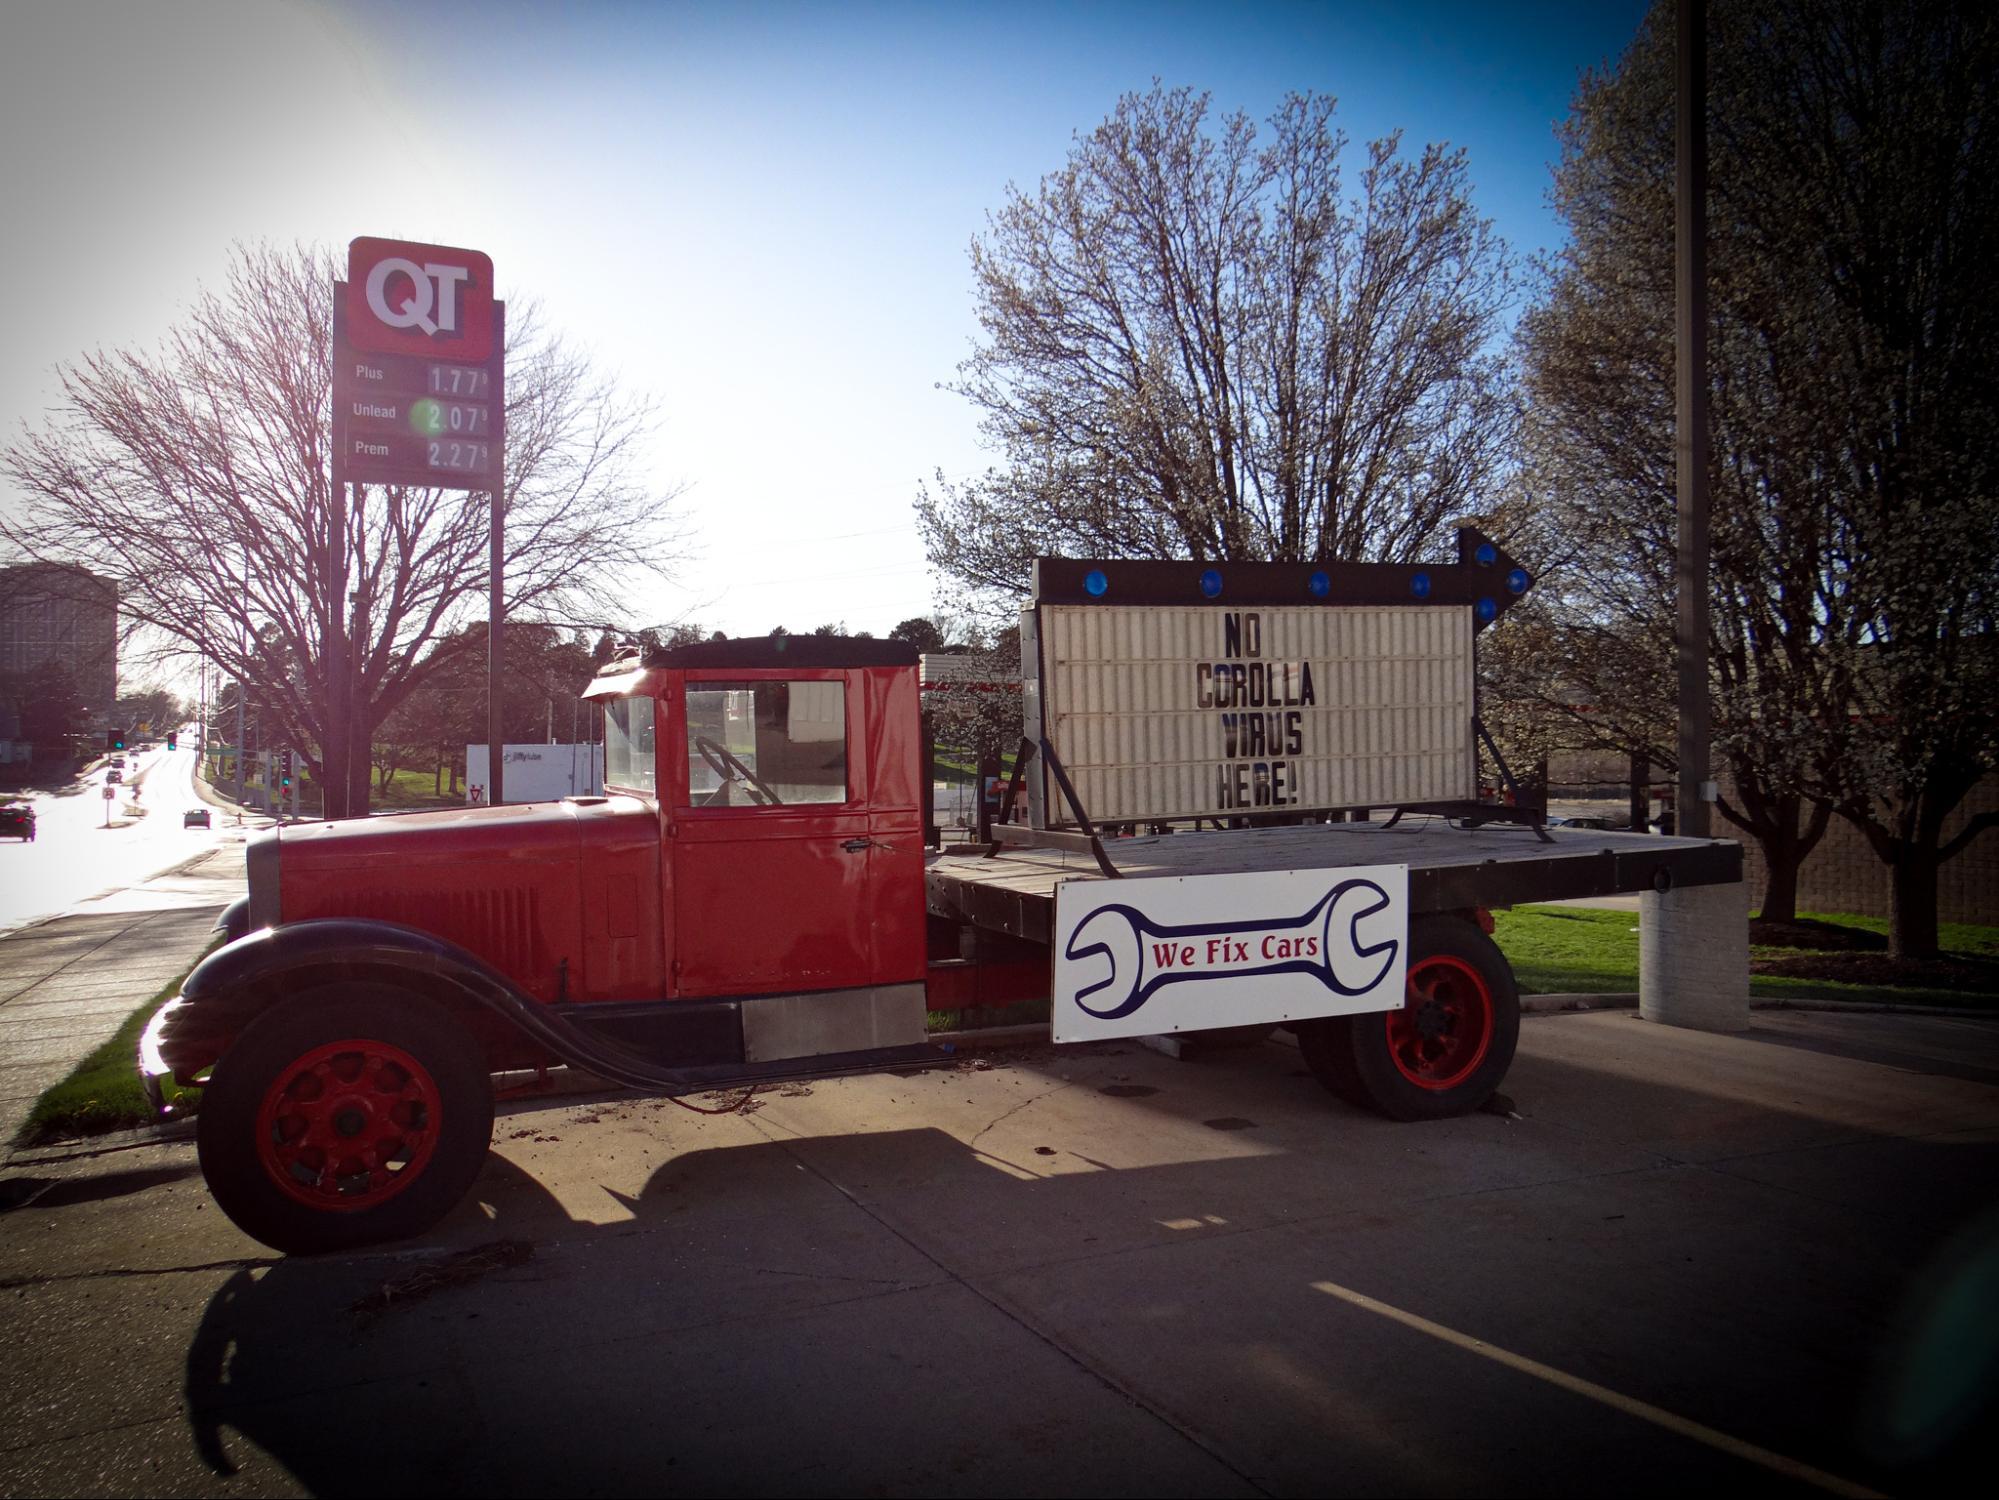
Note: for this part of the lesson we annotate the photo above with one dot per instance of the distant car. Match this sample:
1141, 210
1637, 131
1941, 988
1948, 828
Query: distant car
17, 820
195, 817
114, 774
1608, 825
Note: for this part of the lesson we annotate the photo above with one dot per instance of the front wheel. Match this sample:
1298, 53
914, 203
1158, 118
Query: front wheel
1445, 1050
345, 1117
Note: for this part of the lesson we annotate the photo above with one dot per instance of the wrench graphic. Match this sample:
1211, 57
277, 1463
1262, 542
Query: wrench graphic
1145, 955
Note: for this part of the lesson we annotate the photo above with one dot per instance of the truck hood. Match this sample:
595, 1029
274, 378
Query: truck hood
504, 882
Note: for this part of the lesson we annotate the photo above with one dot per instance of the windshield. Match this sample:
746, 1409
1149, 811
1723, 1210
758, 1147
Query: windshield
630, 759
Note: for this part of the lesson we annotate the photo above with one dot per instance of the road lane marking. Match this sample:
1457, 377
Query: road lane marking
1629, 1405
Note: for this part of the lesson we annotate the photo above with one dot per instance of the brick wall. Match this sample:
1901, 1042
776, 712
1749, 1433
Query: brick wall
1843, 873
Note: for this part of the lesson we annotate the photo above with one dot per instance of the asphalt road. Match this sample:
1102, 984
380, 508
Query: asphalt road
1684, 1262
86, 844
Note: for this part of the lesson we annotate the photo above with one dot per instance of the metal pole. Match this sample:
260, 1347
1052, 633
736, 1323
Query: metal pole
1691, 440
357, 755
495, 599
337, 743
240, 695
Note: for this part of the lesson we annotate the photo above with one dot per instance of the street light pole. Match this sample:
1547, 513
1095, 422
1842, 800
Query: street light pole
1691, 438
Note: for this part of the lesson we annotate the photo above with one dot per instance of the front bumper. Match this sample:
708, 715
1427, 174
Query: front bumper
154, 1070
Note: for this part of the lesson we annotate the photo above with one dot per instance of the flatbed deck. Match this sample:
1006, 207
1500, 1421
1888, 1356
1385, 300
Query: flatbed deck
1450, 868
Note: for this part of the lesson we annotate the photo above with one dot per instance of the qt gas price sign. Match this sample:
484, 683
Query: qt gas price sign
418, 366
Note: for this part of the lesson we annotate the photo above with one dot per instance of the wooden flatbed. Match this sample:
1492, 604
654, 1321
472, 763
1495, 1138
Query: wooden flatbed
1451, 868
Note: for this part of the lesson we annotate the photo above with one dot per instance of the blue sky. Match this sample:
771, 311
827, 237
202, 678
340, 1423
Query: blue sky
758, 213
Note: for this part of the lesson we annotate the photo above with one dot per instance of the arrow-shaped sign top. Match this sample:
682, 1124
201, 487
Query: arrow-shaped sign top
1485, 578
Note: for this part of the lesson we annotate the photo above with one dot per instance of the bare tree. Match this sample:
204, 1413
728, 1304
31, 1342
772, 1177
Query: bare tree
1855, 441
1198, 346
197, 474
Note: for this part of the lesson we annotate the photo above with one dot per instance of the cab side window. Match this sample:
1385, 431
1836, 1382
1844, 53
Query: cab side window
766, 744
629, 753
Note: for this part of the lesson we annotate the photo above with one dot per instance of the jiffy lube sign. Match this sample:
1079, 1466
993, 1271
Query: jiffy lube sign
1187, 953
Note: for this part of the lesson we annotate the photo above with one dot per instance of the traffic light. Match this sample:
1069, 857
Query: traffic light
173, 739
284, 768
114, 739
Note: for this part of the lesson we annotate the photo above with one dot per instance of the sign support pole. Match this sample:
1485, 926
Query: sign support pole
338, 735
496, 603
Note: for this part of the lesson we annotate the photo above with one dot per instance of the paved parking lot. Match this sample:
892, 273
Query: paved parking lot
1682, 1260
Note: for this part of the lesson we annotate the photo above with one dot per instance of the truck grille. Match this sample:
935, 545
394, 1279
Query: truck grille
502, 927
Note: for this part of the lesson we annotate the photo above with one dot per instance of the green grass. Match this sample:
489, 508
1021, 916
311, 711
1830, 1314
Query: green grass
1571, 950
103, 1091
983, 1017
1952, 937
408, 789
952, 766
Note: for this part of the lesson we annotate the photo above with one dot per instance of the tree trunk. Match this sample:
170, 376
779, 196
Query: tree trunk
360, 787
1782, 858
1912, 903
333, 789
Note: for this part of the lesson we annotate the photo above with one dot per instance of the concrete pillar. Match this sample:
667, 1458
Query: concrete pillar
1693, 956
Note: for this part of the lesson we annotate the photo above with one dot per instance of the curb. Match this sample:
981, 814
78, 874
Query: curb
1545, 1005
1549, 1005
79, 1148
1879, 1007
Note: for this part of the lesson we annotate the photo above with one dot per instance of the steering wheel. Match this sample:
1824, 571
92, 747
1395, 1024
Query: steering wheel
725, 765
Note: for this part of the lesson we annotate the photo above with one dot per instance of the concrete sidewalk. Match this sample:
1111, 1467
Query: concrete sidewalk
68, 983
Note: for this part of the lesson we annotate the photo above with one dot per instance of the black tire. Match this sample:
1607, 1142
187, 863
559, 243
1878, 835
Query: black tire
278, 1186
1445, 1052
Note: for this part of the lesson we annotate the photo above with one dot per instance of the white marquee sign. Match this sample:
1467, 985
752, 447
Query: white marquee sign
1161, 711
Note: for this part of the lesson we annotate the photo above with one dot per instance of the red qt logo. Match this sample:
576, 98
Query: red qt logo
405, 298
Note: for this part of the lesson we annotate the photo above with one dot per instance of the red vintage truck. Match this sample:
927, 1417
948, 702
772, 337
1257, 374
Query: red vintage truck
753, 899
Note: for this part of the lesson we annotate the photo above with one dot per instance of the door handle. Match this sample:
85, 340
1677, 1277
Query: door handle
855, 846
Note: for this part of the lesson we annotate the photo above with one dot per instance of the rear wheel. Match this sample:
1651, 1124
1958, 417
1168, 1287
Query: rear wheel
345, 1117
1445, 1050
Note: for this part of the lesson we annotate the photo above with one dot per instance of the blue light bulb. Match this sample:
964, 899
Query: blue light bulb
1486, 609
1211, 583
1487, 554
1518, 580
1420, 585
1095, 582
1320, 585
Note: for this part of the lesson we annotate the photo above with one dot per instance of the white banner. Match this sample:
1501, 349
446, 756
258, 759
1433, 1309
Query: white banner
1162, 712
1190, 952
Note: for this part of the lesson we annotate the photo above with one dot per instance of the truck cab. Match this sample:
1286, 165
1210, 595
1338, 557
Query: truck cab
744, 901
787, 783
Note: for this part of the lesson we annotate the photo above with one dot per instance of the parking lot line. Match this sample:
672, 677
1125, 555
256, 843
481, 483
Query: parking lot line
1629, 1405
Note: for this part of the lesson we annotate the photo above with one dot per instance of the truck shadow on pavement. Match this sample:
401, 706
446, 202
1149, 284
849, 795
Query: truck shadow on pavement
900, 1311
61, 1192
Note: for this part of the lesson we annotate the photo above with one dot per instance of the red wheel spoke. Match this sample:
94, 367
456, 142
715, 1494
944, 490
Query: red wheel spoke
1444, 1028
335, 1121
